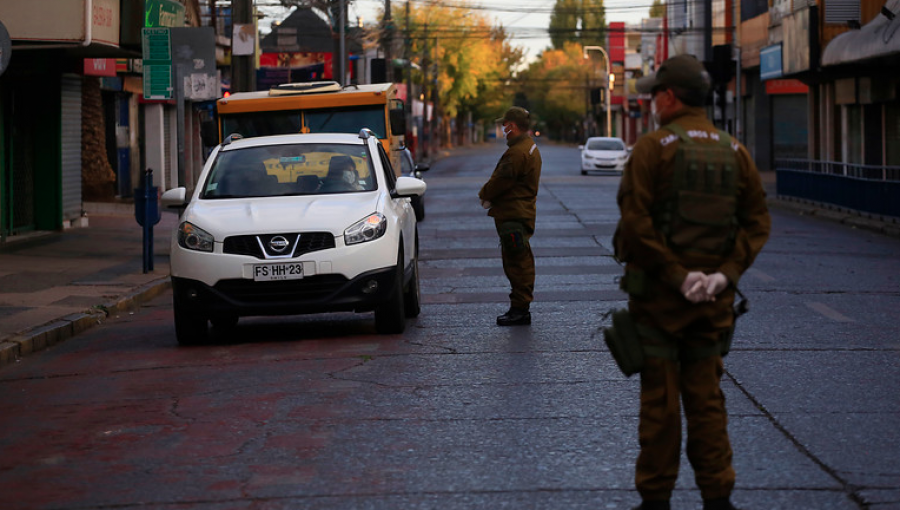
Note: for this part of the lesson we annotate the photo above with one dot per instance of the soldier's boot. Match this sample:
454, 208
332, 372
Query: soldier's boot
515, 317
718, 504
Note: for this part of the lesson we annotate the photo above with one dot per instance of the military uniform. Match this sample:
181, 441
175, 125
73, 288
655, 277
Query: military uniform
512, 192
654, 275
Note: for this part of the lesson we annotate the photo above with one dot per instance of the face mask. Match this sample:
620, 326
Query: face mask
506, 131
349, 177
654, 113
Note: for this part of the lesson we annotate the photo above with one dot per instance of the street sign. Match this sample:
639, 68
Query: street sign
156, 45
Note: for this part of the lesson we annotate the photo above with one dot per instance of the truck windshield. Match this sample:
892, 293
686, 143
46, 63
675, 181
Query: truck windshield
327, 120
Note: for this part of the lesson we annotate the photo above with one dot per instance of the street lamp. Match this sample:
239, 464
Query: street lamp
609, 83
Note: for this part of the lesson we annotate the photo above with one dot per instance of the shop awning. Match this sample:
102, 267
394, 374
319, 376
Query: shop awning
877, 38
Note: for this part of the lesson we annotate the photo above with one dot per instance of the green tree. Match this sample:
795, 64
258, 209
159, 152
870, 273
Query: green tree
657, 10
556, 86
579, 21
474, 61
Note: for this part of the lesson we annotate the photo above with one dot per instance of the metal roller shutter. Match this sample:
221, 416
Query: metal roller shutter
71, 147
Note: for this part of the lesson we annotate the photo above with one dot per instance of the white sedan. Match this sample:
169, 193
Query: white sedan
603, 154
295, 224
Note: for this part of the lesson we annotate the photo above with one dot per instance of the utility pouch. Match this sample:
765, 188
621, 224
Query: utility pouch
512, 237
725, 342
624, 343
634, 283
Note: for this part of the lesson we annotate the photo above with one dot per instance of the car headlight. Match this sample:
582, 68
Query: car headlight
192, 237
367, 229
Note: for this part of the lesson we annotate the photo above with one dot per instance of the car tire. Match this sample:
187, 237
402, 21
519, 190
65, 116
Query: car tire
584, 172
190, 328
390, 318
419, 208
224, 322
411, 297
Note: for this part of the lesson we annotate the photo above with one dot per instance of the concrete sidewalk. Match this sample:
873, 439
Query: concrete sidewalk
54, 285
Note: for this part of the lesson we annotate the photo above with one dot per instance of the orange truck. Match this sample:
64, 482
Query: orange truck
317, 107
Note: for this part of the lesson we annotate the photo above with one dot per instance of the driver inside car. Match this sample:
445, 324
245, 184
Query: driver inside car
342, 175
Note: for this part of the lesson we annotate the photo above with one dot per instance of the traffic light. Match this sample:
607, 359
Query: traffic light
595, 96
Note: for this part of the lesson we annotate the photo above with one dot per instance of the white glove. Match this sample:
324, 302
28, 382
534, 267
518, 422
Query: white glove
485, 204
694, 287
715, 283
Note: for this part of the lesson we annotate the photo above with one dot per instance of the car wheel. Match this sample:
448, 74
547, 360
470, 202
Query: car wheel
224, 322
390, 318
584, 172
190, 328
411, 302
419, 208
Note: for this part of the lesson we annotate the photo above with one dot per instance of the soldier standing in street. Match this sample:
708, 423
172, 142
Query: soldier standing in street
693, 219
510, 197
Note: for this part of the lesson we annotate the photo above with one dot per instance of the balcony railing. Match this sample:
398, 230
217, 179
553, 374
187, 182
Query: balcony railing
865, 188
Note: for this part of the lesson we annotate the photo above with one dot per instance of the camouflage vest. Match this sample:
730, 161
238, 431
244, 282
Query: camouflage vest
700, 213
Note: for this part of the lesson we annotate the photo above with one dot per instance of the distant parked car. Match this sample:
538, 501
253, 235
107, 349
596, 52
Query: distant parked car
409, 168
295, 224
603, 154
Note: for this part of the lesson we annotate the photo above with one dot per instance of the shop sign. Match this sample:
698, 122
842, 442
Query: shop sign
163, 13
100, 67
786, 86
770, 62
157, 52
63, 20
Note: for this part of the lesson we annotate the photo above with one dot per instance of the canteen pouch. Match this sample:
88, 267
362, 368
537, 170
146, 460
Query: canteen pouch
512, 237
623, 342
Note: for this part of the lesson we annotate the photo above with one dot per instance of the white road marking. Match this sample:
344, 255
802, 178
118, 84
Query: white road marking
759, 275
829, 312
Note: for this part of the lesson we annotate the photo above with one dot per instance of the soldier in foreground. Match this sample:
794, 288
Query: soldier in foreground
693, 219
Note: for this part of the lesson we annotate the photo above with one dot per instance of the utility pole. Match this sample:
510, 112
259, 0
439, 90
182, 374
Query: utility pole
343, 44
407, 51
388, 42
608, 84
243, 73
426, 136
435, 101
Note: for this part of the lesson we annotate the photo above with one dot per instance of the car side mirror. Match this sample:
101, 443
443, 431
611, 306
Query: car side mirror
398, 121
409, 187
175, 198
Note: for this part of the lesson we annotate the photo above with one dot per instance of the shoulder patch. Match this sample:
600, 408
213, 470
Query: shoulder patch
533, 147
667, 140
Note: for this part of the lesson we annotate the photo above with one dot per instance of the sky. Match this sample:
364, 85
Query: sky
525, 20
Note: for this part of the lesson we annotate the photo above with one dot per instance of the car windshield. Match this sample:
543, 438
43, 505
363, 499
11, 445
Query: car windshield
289, 169
605, 145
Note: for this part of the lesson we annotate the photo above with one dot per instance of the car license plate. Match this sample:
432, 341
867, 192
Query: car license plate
271, 272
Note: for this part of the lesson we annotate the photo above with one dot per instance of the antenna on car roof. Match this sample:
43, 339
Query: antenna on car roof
232, 137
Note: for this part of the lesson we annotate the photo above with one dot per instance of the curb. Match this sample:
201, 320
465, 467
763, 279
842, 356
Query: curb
19, 345
881, 225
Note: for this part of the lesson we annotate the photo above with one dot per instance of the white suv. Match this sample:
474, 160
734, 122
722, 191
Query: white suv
294, 224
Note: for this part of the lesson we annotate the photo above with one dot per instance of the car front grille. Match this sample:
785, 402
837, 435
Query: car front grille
311, 288
258, 245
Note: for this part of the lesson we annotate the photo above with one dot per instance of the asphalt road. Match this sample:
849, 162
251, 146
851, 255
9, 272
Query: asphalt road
319, 412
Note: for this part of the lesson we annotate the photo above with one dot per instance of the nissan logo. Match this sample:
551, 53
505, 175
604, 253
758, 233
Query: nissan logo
278, 244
